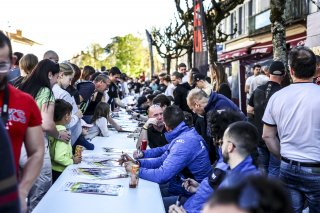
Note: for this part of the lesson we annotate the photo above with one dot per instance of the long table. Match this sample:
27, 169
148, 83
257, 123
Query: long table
145, 198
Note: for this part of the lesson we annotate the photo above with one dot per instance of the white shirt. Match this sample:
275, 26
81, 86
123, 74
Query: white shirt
248, 82
74, 126
257, 81
100, 127
169, 90
60, 93
295, 111
185, 78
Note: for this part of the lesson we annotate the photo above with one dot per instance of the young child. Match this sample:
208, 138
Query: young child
61, 152
99, 121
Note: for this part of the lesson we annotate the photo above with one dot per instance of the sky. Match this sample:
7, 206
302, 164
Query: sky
69, 26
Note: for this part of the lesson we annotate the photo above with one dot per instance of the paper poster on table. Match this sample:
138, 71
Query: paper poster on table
103, 163
104, 173
114, 150
92, 188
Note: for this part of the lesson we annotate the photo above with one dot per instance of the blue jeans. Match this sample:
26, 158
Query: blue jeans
271, 165
303, 184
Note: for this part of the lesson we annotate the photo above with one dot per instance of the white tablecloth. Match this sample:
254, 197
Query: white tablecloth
145, 198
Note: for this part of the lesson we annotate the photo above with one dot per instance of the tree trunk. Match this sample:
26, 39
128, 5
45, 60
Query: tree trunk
212, 43
278, 30
190, 57
168, 61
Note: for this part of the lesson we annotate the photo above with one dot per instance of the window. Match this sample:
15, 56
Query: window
241, 19
231, 24
250, 8
314, 7
261, 5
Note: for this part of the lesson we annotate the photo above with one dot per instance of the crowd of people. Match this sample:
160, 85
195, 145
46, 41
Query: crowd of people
204, 152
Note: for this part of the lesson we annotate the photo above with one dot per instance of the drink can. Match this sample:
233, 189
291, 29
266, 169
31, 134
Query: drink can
144, 144
78, 151
134, 176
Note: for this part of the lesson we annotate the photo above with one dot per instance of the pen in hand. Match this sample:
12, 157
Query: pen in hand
178, 200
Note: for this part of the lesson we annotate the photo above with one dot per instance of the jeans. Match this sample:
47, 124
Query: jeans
271, 165
303, 184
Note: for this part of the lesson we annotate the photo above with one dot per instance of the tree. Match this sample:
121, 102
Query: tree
94, 55
213, 16
187, 20
278, 30
168, 42
128, 54
125, 52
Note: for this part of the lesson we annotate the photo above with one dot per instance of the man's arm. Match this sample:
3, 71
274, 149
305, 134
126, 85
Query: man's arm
119, 103
34, 143
175, 161
247, 88
247, 85
270, 137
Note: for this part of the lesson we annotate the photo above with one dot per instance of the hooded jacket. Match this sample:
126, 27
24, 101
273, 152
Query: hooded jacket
180, 96
185, 151
218, 102
196, 202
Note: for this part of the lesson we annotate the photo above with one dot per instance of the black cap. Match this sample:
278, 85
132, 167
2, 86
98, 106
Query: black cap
198, 77
277, 68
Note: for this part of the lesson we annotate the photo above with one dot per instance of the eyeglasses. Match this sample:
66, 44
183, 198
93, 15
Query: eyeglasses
5, 67
220, 142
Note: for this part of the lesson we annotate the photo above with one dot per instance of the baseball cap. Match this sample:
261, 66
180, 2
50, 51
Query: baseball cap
277, 68
83, 123
198, 77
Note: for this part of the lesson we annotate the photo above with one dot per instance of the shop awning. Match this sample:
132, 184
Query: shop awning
233, 54
292, 41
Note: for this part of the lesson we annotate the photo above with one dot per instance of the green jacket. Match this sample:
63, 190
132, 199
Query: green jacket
60, 152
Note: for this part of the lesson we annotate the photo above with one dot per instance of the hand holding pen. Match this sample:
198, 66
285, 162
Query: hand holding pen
190, 185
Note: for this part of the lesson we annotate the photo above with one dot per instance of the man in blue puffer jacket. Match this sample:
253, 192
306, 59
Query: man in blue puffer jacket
184, 157
239, 143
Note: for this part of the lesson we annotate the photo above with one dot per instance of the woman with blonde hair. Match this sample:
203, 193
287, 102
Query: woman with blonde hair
219, 79
65, 77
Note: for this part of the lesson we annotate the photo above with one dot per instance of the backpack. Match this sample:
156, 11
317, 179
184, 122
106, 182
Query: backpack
261, 97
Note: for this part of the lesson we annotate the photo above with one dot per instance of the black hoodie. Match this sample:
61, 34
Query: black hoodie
180, 96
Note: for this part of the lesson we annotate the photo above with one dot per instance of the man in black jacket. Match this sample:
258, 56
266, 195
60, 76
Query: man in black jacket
181, 91
256, 107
